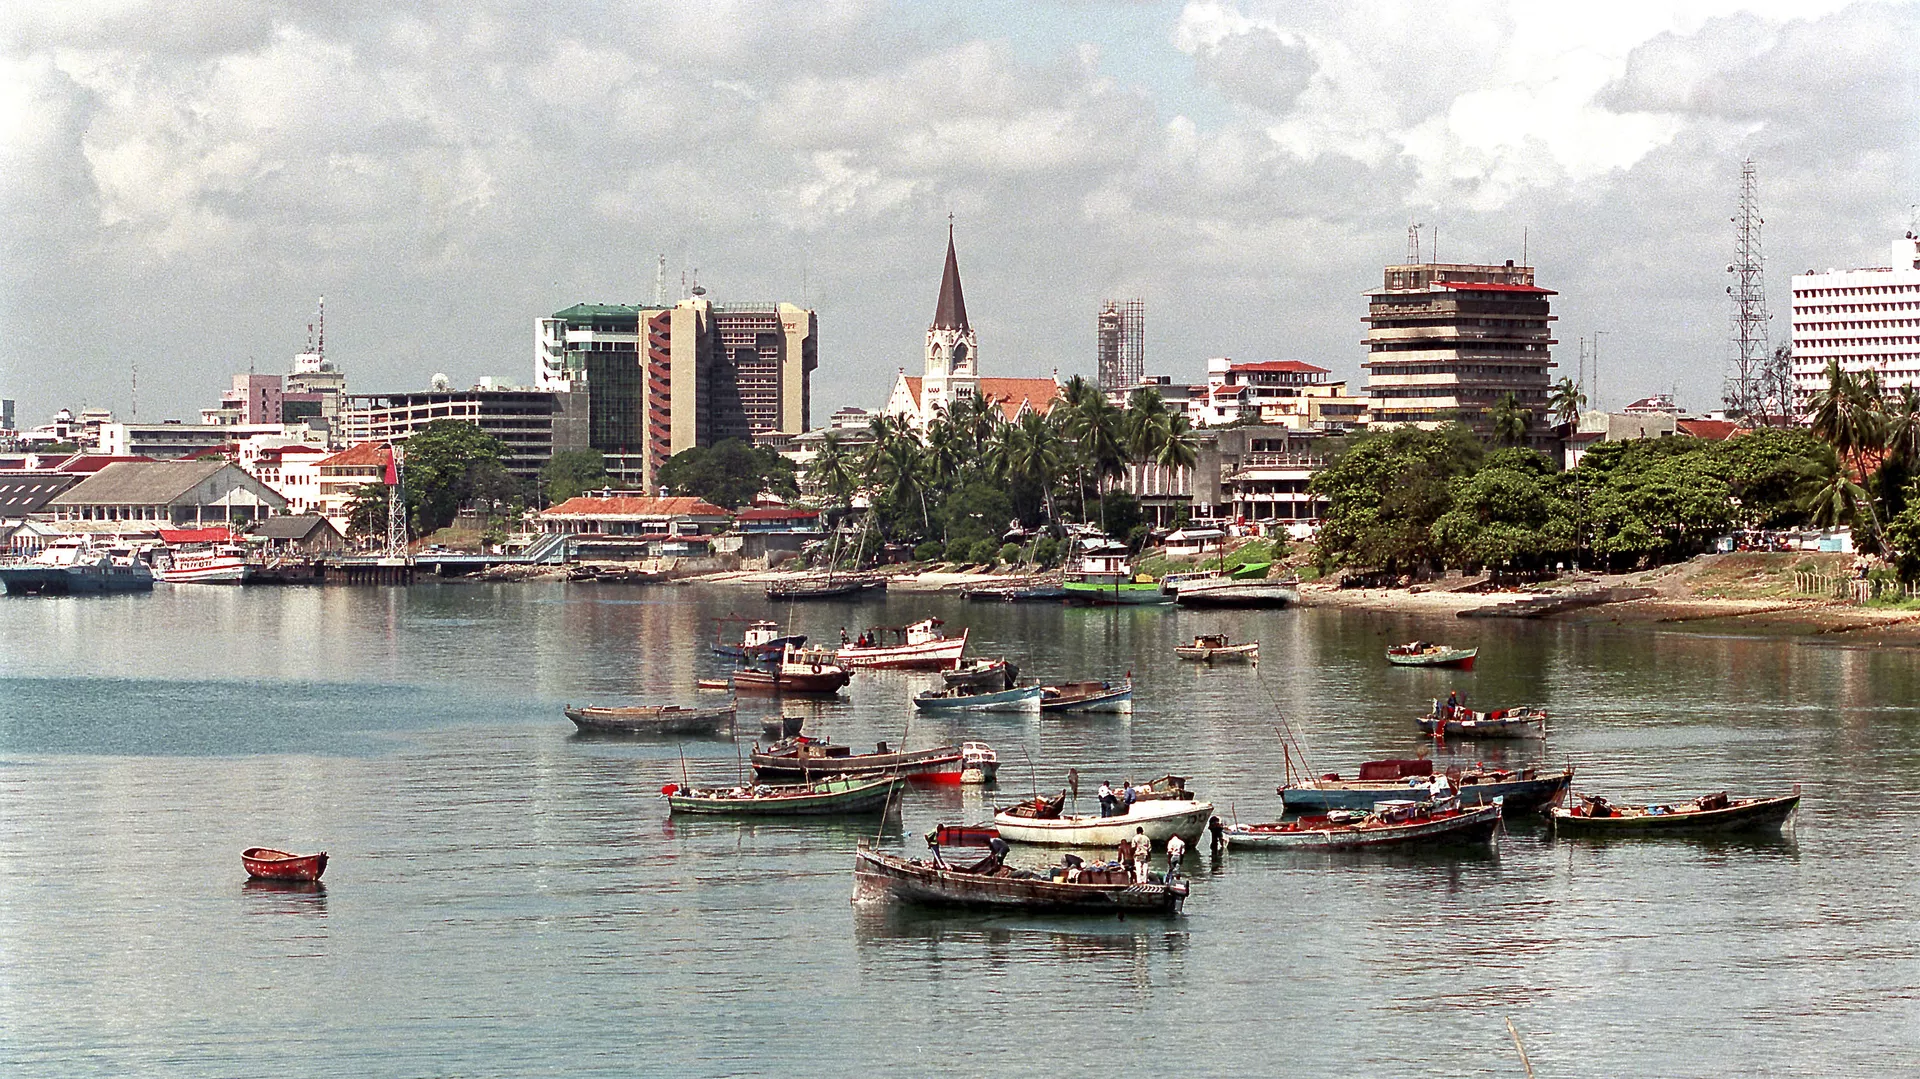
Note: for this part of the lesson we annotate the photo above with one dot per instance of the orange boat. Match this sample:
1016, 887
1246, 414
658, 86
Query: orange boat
266, 863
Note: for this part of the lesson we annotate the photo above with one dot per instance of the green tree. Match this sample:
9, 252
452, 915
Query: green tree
1566, 402
1903, 537
1646, 501
833, 473
367, 513
1508, 422
1772, 472
1385, 493
1509, 514
1848, 414
730, 473
451, 463
1029, 454
574, 472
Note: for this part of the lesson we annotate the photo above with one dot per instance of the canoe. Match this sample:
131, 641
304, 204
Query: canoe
1161, 819
1017, 699
806, 758
1523, 789
1088, 697
824, 588
265, 863
1522, 722
839, 794
669, 719
1218, 648
990, 884
982, 674
1399, 824
1709, 813
1422, 654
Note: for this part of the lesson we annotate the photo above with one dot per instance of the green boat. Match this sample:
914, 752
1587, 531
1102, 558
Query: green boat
1101, 577
841, 794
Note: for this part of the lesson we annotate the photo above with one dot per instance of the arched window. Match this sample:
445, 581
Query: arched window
960, 354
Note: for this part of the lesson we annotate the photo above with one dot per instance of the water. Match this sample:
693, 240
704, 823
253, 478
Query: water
508, 898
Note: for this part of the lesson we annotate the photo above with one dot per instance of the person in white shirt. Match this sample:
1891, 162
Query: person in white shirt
1176, 849
1142, 855
1106, 799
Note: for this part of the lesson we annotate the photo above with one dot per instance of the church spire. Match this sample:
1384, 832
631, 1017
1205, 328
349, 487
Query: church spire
951, 314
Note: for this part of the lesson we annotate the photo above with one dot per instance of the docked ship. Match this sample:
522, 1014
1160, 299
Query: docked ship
72, 567
207, 565
1102, 577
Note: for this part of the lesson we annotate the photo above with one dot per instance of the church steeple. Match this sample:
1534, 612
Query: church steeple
951, 313
952, 352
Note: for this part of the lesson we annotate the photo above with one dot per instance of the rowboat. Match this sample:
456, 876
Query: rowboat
1525, 721
805, 758
1017, 699
667, 719
265, 863
759, 642
1088, 697
922, 646
982, 674
1522, 789
990, 883
1218, 648
839, 794
812, 671
1593, 815
1161, 820
1422, 654
1391, 824
825, 587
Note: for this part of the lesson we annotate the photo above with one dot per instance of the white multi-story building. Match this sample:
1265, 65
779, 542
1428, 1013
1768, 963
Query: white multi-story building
1867, 319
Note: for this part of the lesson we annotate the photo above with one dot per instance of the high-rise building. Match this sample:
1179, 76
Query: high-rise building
1866, 320
532, 425
1447, 341
1121, 338
665, 379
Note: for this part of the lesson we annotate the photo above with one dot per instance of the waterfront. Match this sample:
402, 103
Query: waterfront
509, 898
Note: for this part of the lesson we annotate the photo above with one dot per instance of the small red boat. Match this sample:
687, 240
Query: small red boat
269, 864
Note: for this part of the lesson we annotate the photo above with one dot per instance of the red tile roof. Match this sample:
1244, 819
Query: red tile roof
1480, 286
1011, 393
93, 462
635, 506
366, 453
1711, 430
777, 513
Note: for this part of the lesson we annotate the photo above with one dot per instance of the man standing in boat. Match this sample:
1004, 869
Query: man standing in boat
1176, 850
1106, 798
1142, 855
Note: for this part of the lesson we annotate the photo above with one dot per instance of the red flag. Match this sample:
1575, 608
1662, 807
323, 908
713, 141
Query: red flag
393, 473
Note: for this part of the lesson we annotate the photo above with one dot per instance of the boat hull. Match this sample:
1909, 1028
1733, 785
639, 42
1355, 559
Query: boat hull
1760, 814
940, 655
759, 653
1237, 653
828, 682
65, 581
885, 876
1476, 825
1236, 594
1459, 659
1161, 819
205, 571
1519, 795
834, 796
1118, 699
943, 765
1130, 594
653, 721
1527, 726
837, 590
1019, 699
265, 863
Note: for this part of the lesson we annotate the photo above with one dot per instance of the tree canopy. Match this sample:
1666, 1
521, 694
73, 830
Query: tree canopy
450, 463
574, 472
728, 473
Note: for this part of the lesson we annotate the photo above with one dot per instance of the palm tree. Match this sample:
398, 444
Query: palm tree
1029, 451
1837, 501
1566, 401
1508, 421
1849, 415
832, 471
1176, 448
898, 465
1145, 423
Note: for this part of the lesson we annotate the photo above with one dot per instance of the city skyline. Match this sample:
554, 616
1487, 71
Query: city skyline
187, 187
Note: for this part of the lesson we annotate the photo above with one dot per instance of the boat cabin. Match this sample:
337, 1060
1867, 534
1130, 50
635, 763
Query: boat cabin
925, 631
1374, 771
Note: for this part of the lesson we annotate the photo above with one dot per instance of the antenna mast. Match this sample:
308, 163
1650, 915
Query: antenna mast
660, 283
1413, 243
1749, 292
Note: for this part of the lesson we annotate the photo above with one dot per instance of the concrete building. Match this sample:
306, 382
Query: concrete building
1448, 340
532, 425
304, 534
293, 470
1255, 475
341, 476
1866, 319
1285, 393
666, 379
173, 440
167, 494
635, 516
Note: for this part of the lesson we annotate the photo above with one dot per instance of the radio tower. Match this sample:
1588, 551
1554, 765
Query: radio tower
1749, 292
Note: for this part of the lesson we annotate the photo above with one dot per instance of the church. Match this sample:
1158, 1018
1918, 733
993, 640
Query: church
953, 366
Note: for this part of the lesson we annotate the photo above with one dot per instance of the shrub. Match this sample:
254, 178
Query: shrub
985, 551
960, 550
1010, 553
929, 551
1047, 552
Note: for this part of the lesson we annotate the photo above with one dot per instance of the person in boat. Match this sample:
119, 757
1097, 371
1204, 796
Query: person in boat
1124, 854
1073, 862
1453, 702
1127, 797
844, 639
1106, 798
1176, 850
997, 849
1142, 855
1219, 833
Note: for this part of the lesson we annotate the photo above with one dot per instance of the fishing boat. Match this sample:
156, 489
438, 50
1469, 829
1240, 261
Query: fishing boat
1594, 815
1088, 697
1036, 592
1017, 699
73, 567
265, 863
920, 646
825, 587
835, 794
1455, 721
989, 883
1218, 648
664, 719
1101, 576
1161, 819
1423, 654
982, 674
979, 764
1231, 592
798, 671
1522, 789
204, 565
805, 758
759, 642
1397, 823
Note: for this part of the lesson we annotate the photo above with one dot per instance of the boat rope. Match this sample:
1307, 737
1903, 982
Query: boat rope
1288, 737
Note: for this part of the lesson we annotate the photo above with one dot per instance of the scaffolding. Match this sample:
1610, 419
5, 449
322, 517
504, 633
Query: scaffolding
1122, 340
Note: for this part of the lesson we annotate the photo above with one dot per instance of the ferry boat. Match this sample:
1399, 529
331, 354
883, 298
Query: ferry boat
206, 565
74, 566
1101, 576
921, 646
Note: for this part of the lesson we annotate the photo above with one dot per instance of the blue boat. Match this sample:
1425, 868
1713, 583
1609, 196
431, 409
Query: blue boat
1088, 697
762, 641
1522, 789
1017, 699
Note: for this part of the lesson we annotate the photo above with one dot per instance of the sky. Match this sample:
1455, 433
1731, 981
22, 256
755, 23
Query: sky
180, 181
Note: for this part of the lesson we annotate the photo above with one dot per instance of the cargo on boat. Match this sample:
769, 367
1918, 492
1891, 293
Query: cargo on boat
1591, 815
989, 883
837, 794
1454, 721
1017, 699
1088, 697
808, 758
1399, 823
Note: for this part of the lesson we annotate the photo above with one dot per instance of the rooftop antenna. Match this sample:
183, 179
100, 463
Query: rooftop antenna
660, 283
1413, 243
320, 335
135, 364
1523, 245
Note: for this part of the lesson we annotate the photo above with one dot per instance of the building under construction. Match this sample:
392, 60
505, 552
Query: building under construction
1122, 337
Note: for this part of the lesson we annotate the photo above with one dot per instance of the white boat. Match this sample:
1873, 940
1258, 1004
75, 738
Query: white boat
71, 566
1160, 817
213, 565
922, 646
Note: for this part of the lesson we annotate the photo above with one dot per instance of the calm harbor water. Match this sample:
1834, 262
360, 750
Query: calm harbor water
508, 898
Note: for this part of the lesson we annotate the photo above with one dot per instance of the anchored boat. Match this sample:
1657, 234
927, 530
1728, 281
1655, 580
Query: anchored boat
1395, 823
991, 884
811, 672
265, 863
808, 758
1161, 819
71, 567
1522, 789
759, 642
1524, 721
839, 794
667, 719
1102, 577
1088, 697
982, 674
920, 646
1593, 815
1422, 654
1017, 699
1218, 648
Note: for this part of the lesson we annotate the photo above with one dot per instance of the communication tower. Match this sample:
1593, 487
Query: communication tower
1749, 292
1121, 336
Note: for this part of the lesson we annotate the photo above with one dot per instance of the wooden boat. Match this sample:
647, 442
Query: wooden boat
921, 646
667, 719
1391, 824
978, 763
990, 883
1218, 648
982, 674
1028, 593
265, 863
1232, 592
774, 728
759, 642
825, 587
1522, 789
1525, 721
1102, 577
1161, 819
1088, 697
805, 758
1017, 699
813, 671
1593, 815
835, 794
1422, 654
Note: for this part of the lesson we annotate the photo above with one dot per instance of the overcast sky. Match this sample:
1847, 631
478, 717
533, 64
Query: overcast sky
180, 181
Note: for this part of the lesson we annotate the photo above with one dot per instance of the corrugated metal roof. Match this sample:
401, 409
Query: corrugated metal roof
292, 527
22, 493
140, 483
